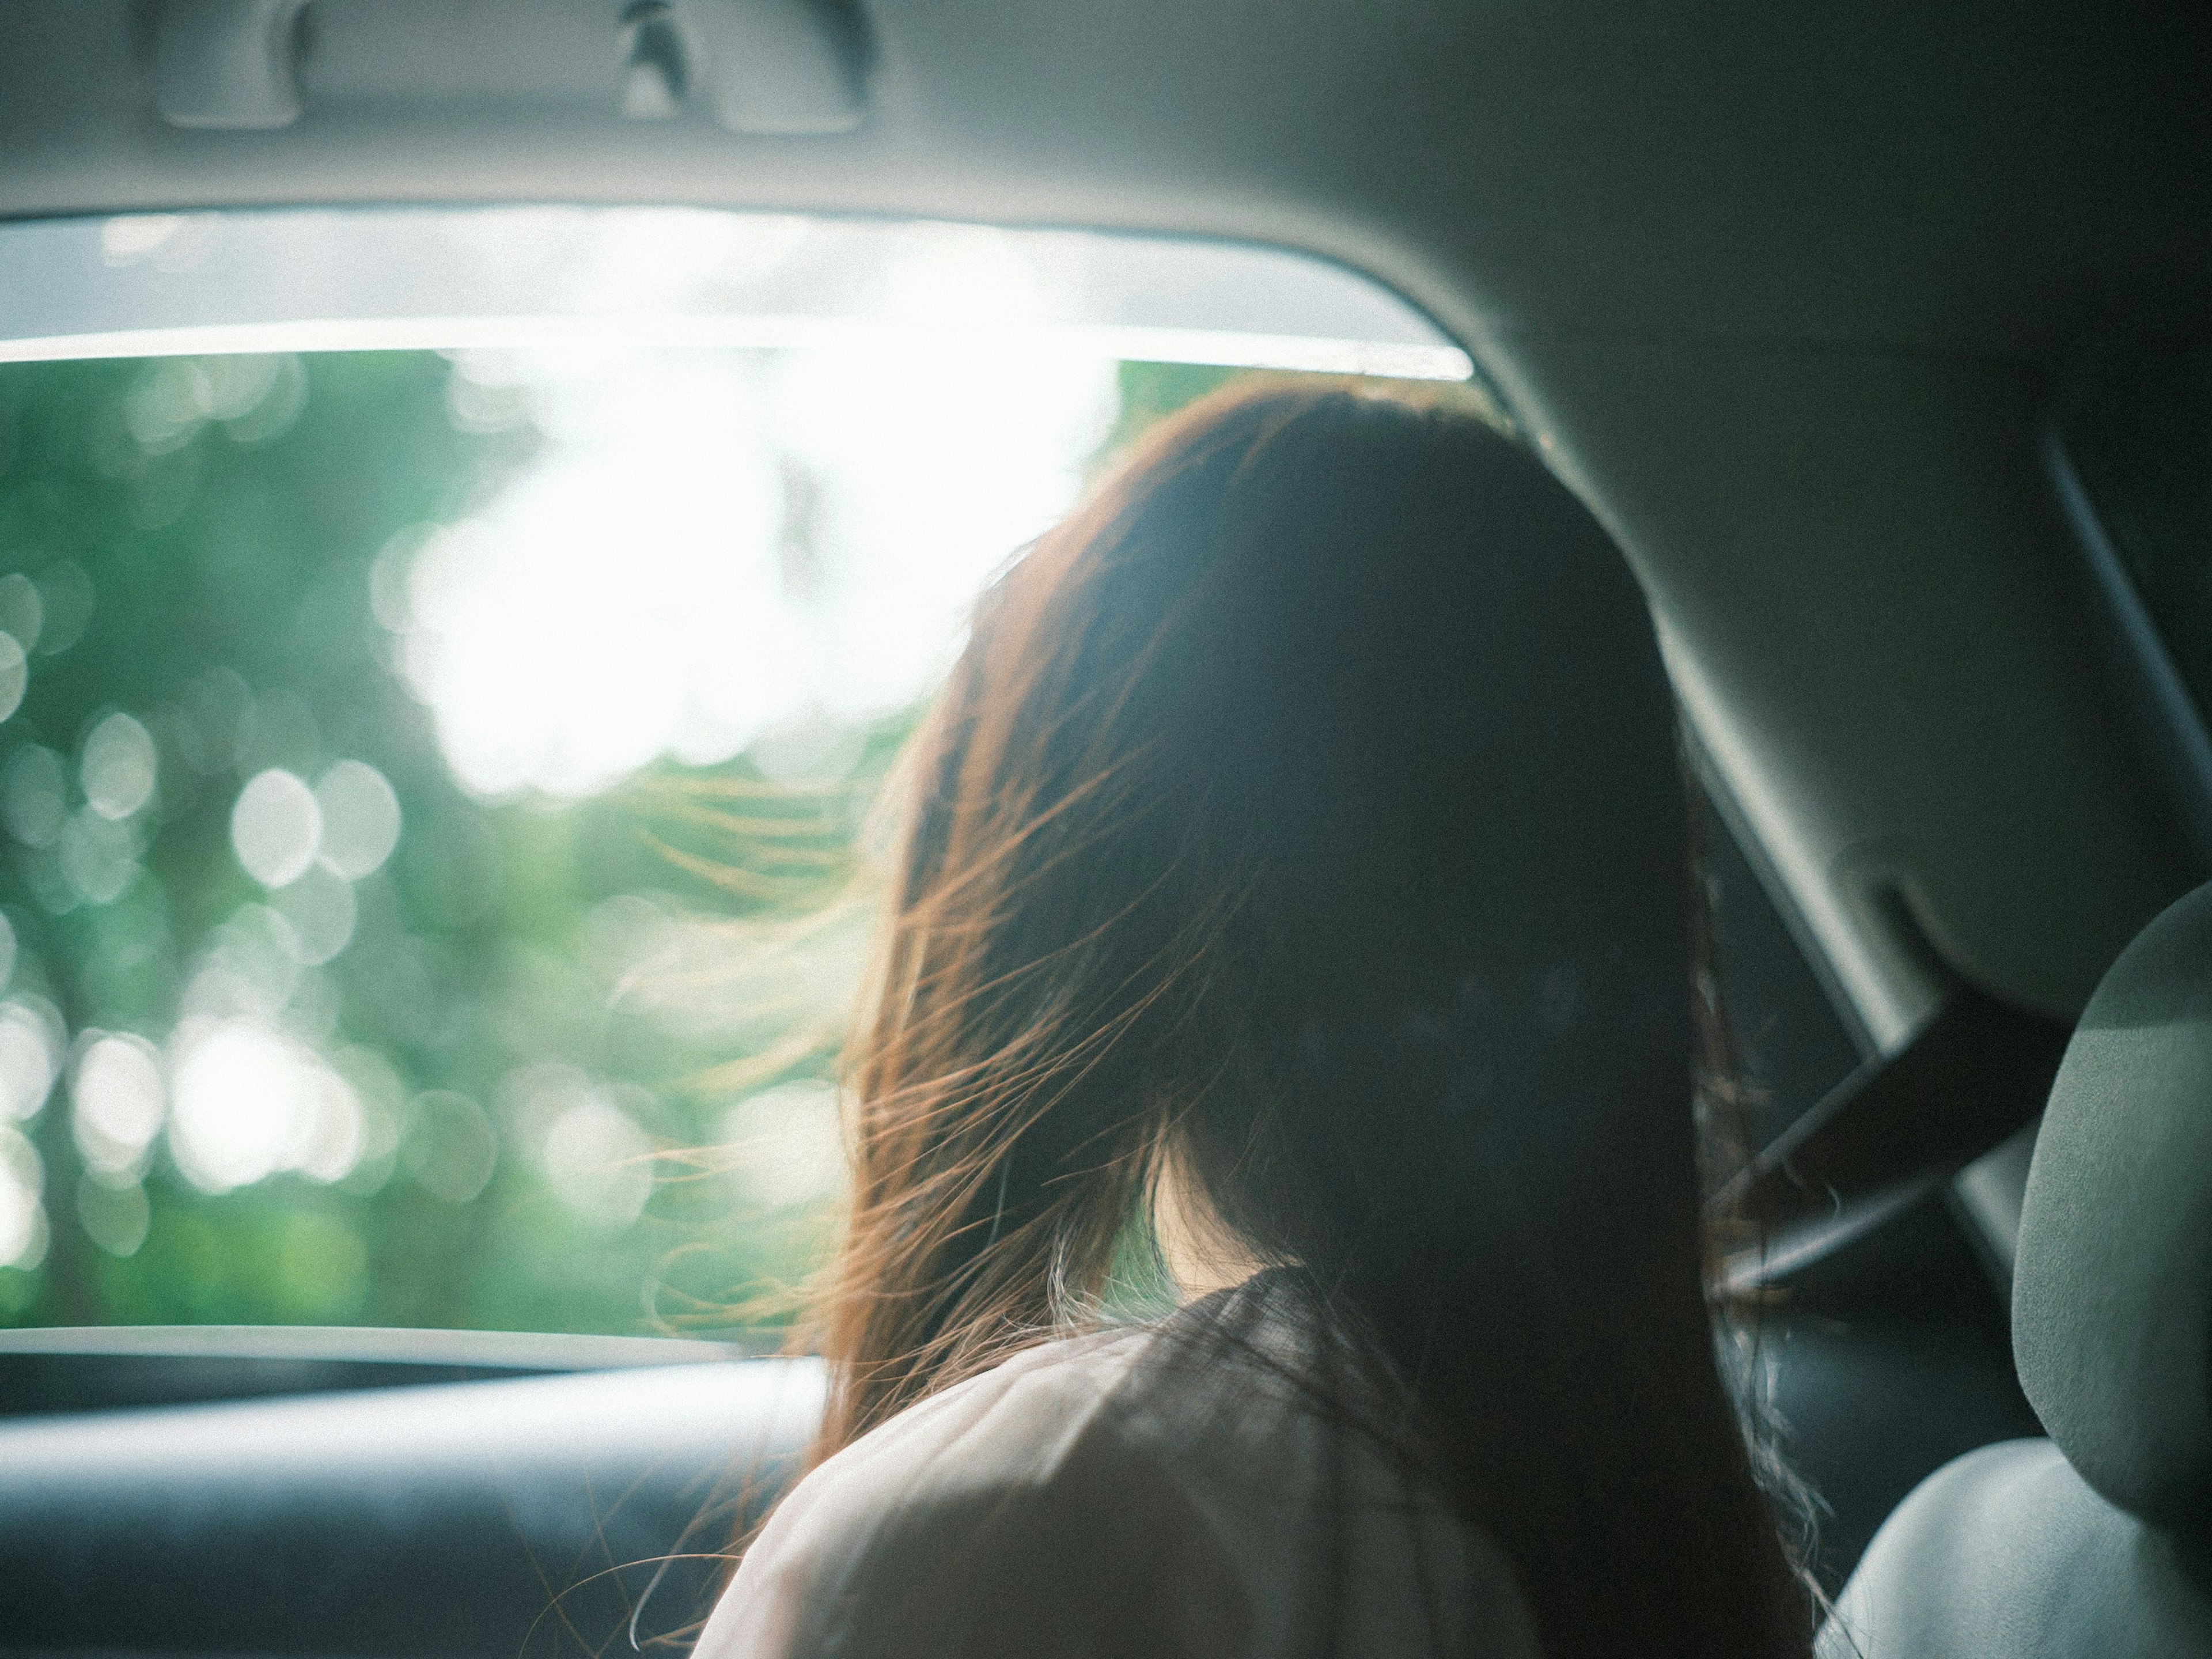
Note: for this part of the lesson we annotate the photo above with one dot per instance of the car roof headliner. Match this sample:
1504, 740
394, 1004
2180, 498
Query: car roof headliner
1975, 177
1781, 288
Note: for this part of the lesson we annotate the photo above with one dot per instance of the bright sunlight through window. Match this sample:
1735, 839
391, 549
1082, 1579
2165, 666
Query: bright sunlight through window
447, 661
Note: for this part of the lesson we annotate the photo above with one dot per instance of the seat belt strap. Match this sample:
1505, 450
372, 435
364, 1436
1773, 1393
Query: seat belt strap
1975, 1072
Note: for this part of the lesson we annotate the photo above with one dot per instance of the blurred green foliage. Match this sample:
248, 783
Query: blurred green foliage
578, 996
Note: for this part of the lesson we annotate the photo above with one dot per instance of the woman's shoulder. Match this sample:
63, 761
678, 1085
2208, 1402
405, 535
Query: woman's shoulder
953, 1527
1112, 1494
1007, 1430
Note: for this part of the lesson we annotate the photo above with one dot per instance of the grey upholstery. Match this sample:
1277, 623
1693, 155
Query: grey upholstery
2112, 1313
2099, 1541
2006, 1550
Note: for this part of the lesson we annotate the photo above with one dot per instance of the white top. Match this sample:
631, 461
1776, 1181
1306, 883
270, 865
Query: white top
1117, 1495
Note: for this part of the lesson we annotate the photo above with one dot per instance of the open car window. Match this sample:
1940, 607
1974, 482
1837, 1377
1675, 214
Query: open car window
447, 661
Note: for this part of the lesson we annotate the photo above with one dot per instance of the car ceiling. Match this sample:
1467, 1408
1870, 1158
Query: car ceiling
1786, 291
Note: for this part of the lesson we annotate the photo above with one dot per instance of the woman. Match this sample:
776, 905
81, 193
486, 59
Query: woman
1296, 887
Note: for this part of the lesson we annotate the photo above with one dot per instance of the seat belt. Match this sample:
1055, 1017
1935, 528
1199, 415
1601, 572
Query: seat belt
1975, 1072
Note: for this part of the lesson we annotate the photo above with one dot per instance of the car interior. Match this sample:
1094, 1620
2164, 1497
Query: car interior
1873, 334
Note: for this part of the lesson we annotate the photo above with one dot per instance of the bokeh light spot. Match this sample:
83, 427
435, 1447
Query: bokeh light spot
117, 1091
118, 768
34, 796
784, 1146
114, 1217
250, 1102
597, 1160
21, 615
32, 1041
361, 818
276, 828
321, 909
22, 1216
99, 856
15, 674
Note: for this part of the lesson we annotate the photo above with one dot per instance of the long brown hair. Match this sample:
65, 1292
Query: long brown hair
1304, 817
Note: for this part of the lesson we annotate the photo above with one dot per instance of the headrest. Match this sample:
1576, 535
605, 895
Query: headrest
2111, 1304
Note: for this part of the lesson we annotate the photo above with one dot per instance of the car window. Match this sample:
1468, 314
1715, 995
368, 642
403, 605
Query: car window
437, 783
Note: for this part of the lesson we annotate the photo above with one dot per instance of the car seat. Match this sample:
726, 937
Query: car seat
2098, 1540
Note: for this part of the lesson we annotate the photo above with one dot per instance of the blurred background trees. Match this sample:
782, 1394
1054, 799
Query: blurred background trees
419, 911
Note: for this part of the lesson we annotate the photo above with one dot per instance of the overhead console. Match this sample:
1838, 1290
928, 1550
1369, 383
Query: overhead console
782, 67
